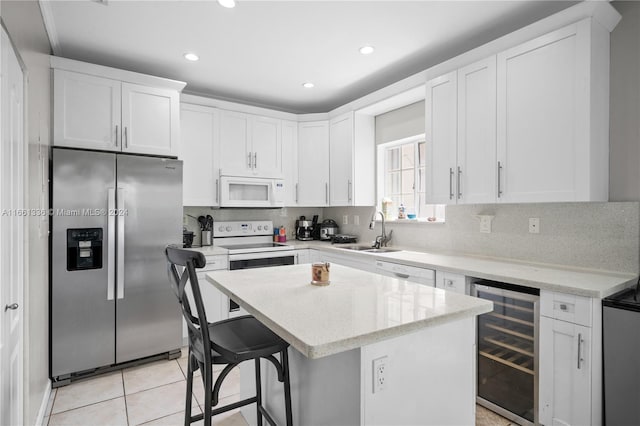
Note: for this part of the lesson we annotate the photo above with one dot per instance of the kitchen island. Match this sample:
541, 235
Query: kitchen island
422, 338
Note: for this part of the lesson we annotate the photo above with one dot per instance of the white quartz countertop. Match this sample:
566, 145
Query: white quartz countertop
210, 250
356, 309
577, 281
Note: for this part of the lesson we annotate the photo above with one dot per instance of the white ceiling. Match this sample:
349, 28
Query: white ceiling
261, 52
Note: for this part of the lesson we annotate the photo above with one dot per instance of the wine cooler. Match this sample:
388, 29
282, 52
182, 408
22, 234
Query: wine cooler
508, 351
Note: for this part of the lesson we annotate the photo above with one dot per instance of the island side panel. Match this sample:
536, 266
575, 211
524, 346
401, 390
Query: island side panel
430, 377
324, 391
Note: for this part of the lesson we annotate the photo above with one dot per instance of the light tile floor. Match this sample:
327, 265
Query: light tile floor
153, 394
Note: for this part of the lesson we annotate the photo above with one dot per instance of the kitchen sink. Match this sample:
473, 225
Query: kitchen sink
368, 249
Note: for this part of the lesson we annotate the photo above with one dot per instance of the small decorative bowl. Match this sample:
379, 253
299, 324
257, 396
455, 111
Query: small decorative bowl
411, 216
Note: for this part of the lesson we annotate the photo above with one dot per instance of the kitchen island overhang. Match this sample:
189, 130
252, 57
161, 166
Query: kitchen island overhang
423, 337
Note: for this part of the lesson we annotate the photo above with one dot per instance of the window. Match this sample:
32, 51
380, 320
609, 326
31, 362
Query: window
401, 178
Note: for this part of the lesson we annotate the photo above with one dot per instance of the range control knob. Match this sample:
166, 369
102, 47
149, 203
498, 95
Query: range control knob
266, 227
228, 229
221, 229
259, 227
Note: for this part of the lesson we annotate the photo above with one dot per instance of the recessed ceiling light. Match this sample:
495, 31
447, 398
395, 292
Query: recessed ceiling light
366, 50
308, 85
191, 57
227, 3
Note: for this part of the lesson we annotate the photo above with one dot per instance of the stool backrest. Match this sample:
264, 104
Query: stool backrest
190, 260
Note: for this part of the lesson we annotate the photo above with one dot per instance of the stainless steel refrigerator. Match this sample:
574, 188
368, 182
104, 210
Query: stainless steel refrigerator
111, 302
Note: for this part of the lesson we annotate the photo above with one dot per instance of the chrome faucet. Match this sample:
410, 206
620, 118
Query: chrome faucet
382, 239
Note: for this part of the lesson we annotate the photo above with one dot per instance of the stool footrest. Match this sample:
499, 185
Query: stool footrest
229, 407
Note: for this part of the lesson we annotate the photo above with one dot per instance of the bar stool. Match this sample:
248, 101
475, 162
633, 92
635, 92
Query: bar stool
230, 342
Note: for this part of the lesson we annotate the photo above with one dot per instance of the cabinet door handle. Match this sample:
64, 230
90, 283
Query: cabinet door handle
349, 189
217, 188
255, 160
458, 184
326, 193
249, 161
296, 192
126, 138
499, 178
580, 341
117, 135
450, 183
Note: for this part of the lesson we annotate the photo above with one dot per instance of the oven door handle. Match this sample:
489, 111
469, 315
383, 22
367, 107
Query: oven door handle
261, 255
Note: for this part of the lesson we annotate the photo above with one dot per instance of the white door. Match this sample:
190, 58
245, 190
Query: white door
541, 93
565, 379
341, 160
236, 158
150, 120
290, 161
12, 200
313, 164
199, 149
86, 111
477, 164
440, 134
266, 141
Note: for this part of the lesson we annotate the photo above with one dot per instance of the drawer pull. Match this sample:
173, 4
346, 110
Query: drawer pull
563, 307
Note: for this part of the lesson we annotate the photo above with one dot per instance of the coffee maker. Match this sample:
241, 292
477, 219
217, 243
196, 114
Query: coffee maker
304, 229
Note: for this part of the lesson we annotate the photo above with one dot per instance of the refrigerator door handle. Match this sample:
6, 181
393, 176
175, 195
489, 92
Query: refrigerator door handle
120, 268
111, 241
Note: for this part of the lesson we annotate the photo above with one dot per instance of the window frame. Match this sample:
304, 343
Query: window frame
381, 172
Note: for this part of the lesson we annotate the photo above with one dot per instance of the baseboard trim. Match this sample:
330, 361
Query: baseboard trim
42, 412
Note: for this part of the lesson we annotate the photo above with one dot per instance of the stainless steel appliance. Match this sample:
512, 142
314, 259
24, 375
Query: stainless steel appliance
328, 228
304, 230
110, 301
250, 245
621, 343
508, 351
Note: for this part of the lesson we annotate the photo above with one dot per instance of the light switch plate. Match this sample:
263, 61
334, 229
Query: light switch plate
345, 219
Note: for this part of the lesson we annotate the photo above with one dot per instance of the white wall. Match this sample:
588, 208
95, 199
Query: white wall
26, 28
400, 123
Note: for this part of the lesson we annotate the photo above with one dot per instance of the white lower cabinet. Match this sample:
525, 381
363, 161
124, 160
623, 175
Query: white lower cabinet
365, 264
215, 303
303, 256
452, 282
570, 358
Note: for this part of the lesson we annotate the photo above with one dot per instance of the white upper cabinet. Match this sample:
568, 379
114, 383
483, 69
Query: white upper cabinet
250, 145
200, 181
86, 111
313, 164
461, 135
351, 160
341, 160
94, 111
440, 135
150, 120
235, 146
553, 117
476, 170
266, 141
290, 161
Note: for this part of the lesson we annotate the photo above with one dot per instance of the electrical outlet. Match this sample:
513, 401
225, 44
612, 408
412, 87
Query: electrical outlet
345, 219
380, 374
356, 219
485, 224
534, 225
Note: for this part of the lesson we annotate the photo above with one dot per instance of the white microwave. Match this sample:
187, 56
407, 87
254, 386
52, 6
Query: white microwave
237, 191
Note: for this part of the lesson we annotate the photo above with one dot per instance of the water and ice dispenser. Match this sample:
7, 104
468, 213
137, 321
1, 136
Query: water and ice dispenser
84, 249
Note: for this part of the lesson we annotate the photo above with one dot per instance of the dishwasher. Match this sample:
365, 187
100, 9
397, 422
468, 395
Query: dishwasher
414, 274
507, 345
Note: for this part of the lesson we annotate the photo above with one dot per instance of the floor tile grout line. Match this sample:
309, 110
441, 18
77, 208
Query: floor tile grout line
84, 406
126, 407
